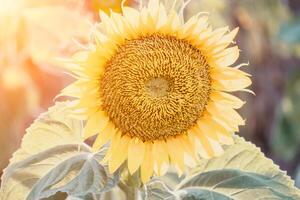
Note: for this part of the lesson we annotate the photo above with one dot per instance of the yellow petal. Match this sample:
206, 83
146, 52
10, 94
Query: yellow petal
224, 139
226, 99
109, 24
205, 126
147, 23
153, 7
129, 31
201, 26
98, 36
190, 155
114, 145
225, 114
225, 124
228, 38
225, 41
204, 35
136, 151
216, 35
117, 19
119, 154
207, 145
204, 141
160, 157
227, 57
188, 146
176, 154
199, 148
189, 27
224, 136
95, 124
190, 161
172, 25
229, 79
94, 66
108, 132
162, 17
217, 148
232, 85
229, 72
77, 88
148, 164
132, 16
71, 90
91, 99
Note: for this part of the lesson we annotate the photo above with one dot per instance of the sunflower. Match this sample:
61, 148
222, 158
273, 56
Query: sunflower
158, 89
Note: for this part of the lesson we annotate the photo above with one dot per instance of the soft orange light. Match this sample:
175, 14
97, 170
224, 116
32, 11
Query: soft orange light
12, 79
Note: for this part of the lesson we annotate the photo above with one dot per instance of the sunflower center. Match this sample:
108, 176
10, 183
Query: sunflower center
155, 87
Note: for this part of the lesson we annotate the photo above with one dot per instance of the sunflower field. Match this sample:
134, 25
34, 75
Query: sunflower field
150, 99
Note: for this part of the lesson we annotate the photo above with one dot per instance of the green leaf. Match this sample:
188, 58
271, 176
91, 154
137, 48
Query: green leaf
194, 193
52, 128
158, 190
244, 156
57, 162
241, 173
20, 177
236, 184
79, 175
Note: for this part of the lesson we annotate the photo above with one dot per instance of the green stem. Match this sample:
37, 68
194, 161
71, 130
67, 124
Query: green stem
130, 184
130, 192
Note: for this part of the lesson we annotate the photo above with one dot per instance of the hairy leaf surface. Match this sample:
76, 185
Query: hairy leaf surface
53, 159
241, 173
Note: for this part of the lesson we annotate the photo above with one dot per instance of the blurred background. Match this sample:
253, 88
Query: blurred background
34, 33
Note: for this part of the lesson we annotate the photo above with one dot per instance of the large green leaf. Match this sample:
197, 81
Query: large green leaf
241, 173
21, 177
79, 175
158, 190
235, 184
52, 128
53, 159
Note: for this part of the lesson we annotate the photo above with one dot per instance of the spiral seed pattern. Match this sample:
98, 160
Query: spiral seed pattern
155, 87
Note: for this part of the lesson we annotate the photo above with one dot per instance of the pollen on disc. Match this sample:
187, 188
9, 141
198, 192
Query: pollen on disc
155, 87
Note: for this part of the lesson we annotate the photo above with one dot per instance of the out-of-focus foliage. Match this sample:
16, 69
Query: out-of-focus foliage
286, 140
290, 34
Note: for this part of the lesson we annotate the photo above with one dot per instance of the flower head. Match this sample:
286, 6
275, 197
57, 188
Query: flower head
158, 88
